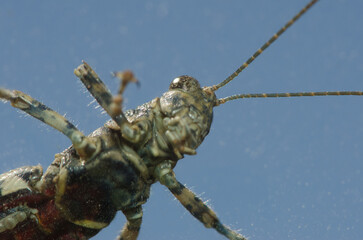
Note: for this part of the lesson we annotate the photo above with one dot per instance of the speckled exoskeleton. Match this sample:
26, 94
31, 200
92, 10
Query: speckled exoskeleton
113, 168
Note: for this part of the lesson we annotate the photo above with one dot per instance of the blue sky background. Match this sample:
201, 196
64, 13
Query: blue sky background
273, 168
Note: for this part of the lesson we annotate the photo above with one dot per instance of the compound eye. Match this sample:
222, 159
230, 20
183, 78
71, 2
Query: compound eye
185, 83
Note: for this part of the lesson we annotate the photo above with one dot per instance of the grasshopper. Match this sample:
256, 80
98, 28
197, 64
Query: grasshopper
112, 169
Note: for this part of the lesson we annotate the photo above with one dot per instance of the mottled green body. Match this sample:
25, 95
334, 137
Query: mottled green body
113, 168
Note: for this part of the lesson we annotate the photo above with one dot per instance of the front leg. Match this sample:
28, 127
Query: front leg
111, 104
132, 227
192, 203
84, 146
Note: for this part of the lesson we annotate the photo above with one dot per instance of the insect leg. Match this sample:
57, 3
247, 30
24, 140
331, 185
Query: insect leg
192, 203
36, 109
111, 104
131, 229
19, 214
125, 77
99, 91
18, 189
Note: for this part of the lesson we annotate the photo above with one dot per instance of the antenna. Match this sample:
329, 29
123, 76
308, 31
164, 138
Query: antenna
257, 53
264, 46
276, 95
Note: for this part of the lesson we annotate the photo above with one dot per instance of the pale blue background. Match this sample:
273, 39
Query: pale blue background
274, 168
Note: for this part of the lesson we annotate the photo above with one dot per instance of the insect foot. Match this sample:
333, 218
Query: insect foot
111, 104
125, 77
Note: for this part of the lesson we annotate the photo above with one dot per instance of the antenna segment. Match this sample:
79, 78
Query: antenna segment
264, 46
276, 95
